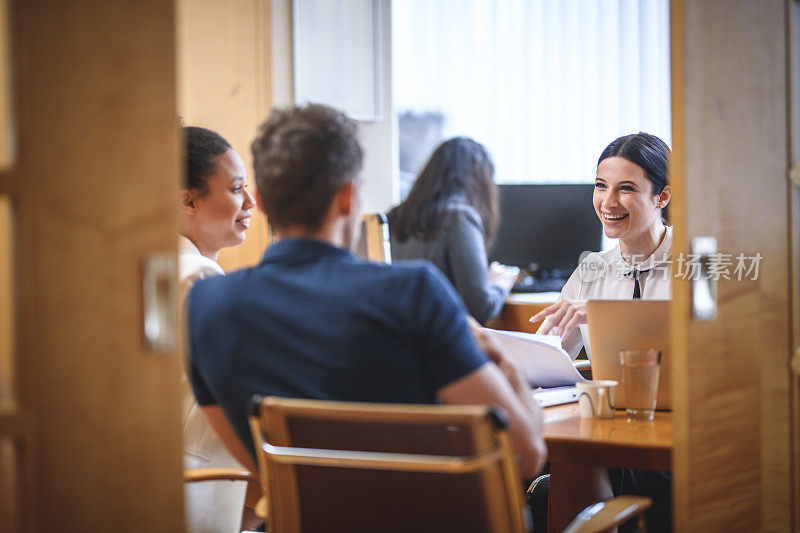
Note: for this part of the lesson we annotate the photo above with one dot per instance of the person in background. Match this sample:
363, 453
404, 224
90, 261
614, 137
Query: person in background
214, 204
314, 321
630, 197
214, 213
450, 218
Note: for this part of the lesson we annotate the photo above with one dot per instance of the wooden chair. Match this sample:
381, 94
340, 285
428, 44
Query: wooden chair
596, 518
341, 466
254, 497
605, 516
374, 244
331, 466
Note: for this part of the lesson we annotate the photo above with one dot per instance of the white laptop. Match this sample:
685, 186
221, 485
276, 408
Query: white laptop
616, 325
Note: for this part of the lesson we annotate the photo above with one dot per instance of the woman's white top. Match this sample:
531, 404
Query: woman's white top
192, 265
607, 276
215, 505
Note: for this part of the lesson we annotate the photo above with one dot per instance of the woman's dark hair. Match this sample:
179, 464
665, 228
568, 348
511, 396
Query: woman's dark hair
202, 146
459, 168
647, 151
301, 157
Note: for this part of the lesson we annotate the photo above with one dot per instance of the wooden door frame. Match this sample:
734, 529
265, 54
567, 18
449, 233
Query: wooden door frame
732, 457
94, 188
793, 127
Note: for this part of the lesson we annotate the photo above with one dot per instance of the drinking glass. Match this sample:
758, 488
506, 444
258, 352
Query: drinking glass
640, 382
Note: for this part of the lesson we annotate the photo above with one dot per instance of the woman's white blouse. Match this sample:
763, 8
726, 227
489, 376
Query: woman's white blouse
192, 265
607, 276
216, 505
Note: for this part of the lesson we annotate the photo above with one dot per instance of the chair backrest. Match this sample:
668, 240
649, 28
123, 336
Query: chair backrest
374, 243
337, 466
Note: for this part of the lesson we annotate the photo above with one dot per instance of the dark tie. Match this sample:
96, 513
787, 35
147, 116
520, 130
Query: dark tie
637, 290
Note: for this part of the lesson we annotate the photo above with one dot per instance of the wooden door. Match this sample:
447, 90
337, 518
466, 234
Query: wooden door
793, 26
732, 458
94, 416
13, 434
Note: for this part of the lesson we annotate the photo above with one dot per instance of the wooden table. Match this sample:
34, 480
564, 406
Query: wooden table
519, 307
577, 446
609, 443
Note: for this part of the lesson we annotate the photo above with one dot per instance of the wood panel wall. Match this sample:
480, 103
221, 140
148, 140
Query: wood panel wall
224, 85
6, 103
9, 507
8, 385
9, 441
732, 451
6, 136
793, 47
95, 182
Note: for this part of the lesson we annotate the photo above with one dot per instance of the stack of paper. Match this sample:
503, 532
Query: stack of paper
541, 357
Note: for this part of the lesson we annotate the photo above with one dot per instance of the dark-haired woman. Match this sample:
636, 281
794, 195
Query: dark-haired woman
630, 197
214, 202
215, 213
631, 194
450, 218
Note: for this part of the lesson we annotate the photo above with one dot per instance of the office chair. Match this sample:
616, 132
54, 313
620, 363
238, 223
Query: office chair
342, 466
335, 466
596, 518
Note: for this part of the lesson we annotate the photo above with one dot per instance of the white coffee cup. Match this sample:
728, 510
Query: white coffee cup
597, 398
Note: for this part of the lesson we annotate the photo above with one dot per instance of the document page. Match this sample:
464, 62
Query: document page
541, 357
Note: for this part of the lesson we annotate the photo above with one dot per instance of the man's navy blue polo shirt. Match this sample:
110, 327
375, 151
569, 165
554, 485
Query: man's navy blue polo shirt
313, 321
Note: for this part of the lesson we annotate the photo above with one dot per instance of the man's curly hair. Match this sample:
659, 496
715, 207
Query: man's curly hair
302, 156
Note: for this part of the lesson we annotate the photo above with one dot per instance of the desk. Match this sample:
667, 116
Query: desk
608, 443
519, 307
578, 447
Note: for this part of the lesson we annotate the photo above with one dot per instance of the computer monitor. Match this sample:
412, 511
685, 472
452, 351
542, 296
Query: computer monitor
545, 227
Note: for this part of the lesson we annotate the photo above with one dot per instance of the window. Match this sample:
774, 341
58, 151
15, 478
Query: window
544, 84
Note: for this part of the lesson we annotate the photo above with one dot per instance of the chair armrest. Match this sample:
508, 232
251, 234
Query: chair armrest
254, 497
217, 474
606, 515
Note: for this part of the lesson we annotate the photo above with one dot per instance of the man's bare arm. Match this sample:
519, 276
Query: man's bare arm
488, 386
219, 421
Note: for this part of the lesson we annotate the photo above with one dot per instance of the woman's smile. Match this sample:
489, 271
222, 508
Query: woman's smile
244, 222
613, 218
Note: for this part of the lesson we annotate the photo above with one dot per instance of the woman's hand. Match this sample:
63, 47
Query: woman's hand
503, 275
562, 317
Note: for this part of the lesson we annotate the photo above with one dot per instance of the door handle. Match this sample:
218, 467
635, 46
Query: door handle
159, 290
704, 283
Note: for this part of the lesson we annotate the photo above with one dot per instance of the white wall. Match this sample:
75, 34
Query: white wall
378, 138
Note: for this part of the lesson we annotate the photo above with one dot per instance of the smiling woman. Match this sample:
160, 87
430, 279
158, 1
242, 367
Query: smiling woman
215, 203
215, 213
220, 214
630, 197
